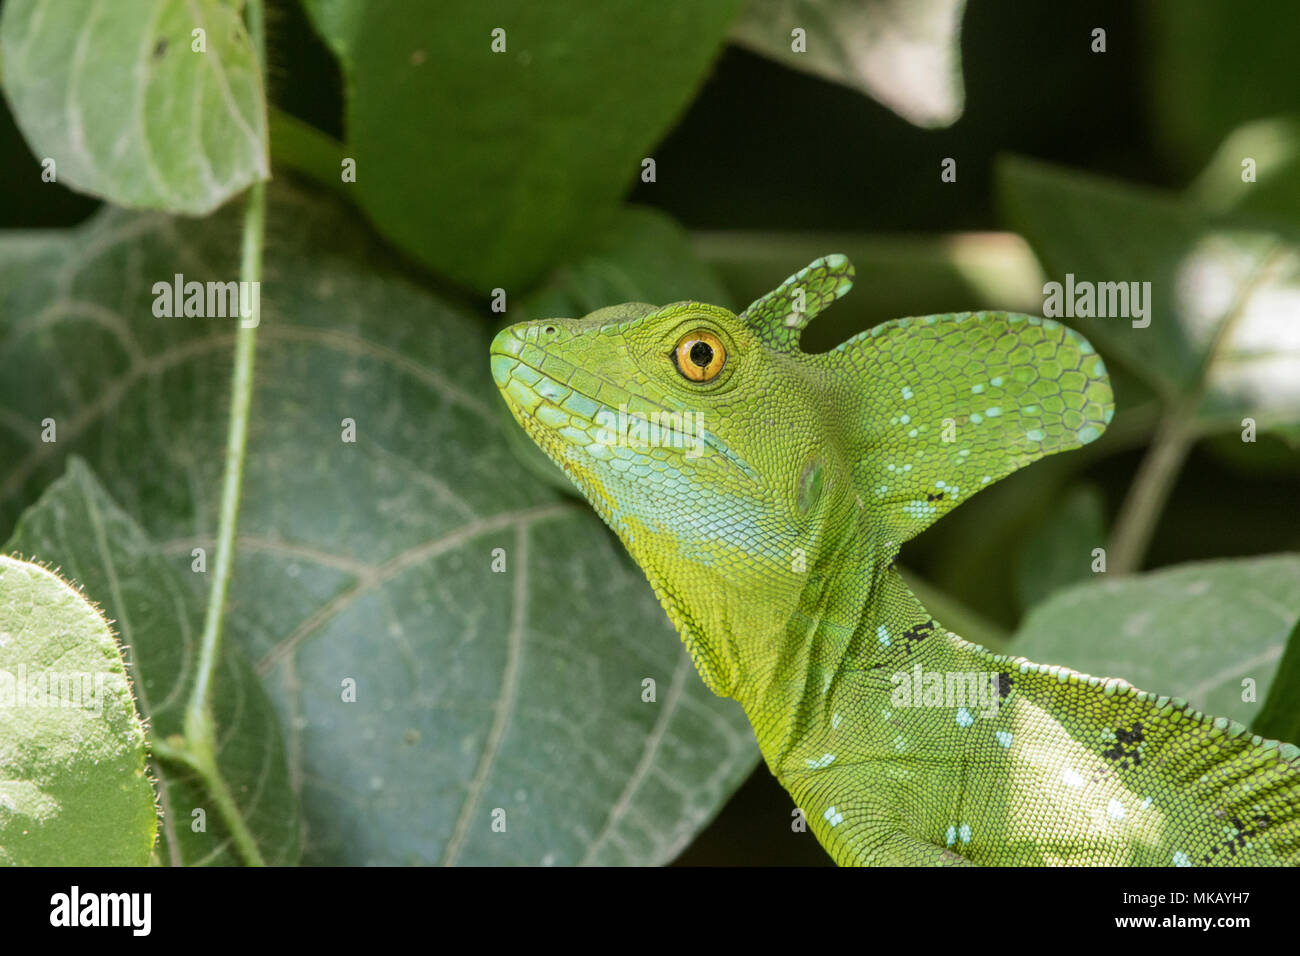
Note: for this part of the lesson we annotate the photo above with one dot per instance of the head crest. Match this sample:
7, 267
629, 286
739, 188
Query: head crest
778, 317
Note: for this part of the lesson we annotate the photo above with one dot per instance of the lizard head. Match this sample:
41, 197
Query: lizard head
692, 440
741, 472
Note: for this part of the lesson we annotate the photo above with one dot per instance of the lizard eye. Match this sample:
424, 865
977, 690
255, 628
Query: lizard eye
699, 356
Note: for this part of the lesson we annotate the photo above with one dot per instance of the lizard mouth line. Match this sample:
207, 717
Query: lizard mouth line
505, 365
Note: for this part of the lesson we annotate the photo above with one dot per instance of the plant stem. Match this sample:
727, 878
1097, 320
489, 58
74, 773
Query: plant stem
1145, 500
200, 728
1179, 429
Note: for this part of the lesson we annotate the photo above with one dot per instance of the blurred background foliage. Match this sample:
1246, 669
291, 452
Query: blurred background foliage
524, 174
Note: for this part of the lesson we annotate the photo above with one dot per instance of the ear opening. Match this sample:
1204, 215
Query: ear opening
948, 404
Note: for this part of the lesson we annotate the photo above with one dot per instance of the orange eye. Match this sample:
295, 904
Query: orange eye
700, 356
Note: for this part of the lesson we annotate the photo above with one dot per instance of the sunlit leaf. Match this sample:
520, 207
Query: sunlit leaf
73, 788
904, 53
117, 96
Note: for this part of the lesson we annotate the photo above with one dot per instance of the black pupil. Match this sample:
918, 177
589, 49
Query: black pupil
702, 354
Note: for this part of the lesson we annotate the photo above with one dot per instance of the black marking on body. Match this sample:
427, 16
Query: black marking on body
1244, 831
918, 632
934, 497
1004, 685
1126, 752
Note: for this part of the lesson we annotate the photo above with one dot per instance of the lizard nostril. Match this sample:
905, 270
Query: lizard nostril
549, 330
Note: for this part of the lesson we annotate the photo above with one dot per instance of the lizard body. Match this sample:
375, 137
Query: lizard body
766, 491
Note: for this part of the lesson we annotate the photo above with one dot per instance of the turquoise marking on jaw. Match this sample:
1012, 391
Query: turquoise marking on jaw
563, 419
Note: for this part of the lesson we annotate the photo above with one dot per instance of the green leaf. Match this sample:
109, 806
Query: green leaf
515, 158
1273, 146
1214, 67
1057, 551
1197, 631
76, 524
116, 95
371, 561
1279, 718
73, 788
1223, 297
904, 53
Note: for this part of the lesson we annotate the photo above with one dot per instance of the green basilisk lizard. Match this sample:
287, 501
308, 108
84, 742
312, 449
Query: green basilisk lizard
765, 492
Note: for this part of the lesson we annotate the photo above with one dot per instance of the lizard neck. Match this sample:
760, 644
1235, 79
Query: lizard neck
856, 627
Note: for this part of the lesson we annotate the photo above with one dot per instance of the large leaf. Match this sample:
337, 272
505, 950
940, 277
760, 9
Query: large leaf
904, 53
1196, 631
1223, 297
487, 166
371, 562
73, 789
115, 94
76, 525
